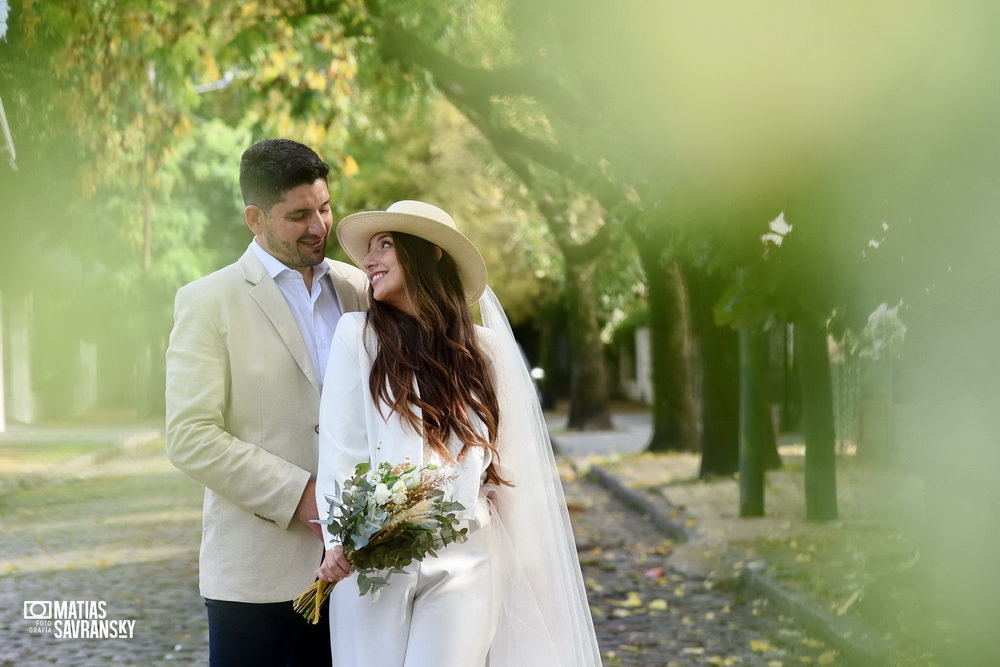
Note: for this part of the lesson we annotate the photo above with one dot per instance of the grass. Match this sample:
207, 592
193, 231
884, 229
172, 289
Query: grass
834, 562
866, 572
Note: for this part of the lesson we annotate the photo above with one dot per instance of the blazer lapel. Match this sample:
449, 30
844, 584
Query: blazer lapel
270, 299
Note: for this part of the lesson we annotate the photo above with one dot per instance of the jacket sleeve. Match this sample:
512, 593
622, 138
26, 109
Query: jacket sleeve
343, 432
351, 286
197, 392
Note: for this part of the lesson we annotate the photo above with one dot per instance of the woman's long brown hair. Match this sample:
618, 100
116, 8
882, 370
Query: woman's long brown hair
436, 352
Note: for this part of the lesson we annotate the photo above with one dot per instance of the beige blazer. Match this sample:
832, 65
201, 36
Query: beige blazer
242, 418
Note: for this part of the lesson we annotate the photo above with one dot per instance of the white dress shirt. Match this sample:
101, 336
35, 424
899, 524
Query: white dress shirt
316, 310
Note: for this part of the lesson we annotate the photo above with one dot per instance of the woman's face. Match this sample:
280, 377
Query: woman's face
385, 274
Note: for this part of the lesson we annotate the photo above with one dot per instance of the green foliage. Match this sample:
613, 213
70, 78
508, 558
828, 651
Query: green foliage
390, 516
129, 118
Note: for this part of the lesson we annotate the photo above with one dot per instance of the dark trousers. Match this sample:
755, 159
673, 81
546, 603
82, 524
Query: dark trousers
241, 634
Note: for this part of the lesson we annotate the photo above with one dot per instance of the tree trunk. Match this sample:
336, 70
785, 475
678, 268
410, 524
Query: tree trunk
791, 394
554, 385
673, 406
720, 377
813, 358
753, 424
769, 439
589, 401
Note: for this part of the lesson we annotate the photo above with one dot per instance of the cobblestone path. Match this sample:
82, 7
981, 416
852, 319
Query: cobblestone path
126, 534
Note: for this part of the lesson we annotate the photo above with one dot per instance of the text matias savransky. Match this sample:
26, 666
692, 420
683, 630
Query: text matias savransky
77, 619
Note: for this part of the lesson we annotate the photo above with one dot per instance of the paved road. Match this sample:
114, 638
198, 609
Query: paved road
127, 534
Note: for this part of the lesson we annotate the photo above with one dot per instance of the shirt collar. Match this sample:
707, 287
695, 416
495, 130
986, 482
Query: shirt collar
274, 266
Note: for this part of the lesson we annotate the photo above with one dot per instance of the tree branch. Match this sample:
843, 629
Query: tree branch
395, 43
472, 91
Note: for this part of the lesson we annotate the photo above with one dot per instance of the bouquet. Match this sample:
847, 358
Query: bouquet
386, 518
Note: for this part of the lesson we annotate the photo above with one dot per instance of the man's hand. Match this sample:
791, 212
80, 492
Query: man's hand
306, 510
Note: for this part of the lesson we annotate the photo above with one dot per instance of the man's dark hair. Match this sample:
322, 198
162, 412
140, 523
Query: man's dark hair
272, 167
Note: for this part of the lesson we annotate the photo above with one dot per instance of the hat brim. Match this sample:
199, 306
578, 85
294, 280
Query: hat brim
356, 230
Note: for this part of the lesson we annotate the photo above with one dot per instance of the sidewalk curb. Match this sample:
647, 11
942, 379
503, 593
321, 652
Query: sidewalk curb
673, 529
138, 444
857, 641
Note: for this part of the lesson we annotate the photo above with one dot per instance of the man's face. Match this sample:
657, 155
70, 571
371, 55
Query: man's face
296, 230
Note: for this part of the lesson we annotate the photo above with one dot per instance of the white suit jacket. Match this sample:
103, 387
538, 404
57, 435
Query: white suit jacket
353, 430
242, 407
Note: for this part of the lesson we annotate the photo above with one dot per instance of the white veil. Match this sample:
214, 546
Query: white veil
546, 619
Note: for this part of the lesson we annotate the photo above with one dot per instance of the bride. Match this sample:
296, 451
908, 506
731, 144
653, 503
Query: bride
415, 379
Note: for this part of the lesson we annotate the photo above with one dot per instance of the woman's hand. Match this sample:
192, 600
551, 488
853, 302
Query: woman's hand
335, 566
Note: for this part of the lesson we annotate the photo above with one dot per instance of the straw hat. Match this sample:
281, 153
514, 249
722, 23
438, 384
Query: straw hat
419, 219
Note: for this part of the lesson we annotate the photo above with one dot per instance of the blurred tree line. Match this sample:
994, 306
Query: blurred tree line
741, 178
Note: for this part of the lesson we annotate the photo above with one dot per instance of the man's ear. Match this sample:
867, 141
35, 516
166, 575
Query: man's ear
438, 252
255, 218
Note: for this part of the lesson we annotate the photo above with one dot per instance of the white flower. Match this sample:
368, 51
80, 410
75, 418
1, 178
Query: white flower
382, 494
412, 481
399, 498
399, 486
779, 229
779, 225
4, 12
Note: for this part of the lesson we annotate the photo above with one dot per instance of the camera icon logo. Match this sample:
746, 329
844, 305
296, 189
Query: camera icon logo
38, 610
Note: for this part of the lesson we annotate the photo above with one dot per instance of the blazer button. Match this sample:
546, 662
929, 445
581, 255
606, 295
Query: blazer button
316, 428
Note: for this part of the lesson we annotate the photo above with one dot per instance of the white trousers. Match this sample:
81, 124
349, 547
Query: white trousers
441, 612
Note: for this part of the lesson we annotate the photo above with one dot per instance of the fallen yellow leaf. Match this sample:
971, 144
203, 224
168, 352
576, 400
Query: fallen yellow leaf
855, 596
631, 600
827, 658
761, 646
658, 605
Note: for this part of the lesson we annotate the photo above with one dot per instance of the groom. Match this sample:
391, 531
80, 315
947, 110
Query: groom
245, 363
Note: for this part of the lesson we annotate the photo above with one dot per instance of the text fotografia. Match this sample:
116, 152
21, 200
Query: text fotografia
76, 619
